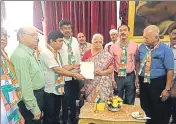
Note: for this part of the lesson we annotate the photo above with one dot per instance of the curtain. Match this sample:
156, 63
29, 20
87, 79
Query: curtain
124, 11
37, 15
88, 17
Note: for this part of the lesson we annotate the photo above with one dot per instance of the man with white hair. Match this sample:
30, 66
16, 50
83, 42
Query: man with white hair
114, 38
155, 67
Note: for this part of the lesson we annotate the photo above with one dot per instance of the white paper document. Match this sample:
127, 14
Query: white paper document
87, 69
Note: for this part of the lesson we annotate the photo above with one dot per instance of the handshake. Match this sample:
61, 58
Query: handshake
76, 72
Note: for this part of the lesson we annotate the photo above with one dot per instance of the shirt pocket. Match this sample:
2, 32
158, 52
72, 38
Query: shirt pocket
157, 62
34, 69
131, 57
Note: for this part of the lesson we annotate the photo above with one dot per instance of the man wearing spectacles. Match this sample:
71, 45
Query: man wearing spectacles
30, 75
154, 74
10, 91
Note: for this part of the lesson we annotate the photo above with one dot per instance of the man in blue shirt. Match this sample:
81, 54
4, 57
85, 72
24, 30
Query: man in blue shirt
155, 65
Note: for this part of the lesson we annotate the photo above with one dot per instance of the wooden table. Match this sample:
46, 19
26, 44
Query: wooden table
88, 116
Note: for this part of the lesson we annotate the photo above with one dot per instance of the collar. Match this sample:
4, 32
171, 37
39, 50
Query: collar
67, 40
51, 49
172, 46
27, 49
123, 45
84, 45
150, 48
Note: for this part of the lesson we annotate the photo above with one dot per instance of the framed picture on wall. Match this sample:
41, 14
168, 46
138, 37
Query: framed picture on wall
144, 13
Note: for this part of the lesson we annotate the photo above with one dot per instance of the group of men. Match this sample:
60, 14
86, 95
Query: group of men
51, 81
149, 67
47, 81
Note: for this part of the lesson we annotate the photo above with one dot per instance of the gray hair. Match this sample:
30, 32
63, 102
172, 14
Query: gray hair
152, 28
97, 35
3, 31
20, 32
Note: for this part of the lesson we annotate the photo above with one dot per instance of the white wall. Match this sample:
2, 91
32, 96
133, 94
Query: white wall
19, 13
118, 11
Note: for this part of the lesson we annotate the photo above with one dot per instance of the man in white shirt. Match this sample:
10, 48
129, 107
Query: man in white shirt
114, 38
55, 71
71, 55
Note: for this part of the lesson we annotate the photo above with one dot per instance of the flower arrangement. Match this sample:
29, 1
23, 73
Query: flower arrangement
114, 102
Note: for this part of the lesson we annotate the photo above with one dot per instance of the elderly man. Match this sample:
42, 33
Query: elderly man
10, 91
155, 64
114, 38
83, 45
54, 80
172, 34
124, 53
71, 55
29, 74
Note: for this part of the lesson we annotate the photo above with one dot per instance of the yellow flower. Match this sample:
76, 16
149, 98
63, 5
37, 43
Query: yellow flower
115, 102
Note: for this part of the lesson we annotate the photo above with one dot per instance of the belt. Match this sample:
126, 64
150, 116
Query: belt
128, 74
39, 89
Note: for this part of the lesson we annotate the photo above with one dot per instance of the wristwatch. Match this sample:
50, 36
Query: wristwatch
167, 89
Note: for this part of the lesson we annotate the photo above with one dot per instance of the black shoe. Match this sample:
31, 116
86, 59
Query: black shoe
81, 103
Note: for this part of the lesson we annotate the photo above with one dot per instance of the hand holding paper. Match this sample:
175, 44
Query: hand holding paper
87, 69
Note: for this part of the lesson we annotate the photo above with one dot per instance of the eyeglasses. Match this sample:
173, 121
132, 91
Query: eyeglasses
5, 35
98, 42
32, 34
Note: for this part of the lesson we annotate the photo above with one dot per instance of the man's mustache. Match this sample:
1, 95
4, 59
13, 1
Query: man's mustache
122, 34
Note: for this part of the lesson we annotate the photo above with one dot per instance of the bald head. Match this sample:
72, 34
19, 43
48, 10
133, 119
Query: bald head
151, 34
81, 38
23, 30
28, 36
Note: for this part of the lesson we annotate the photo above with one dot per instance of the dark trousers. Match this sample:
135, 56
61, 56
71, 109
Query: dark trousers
52, 107
173, 103
151, 103
126, 84
28, 116
81, 96
71, 94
